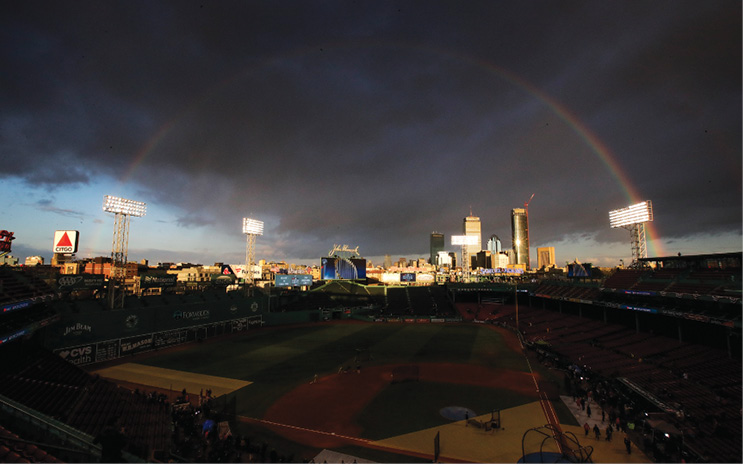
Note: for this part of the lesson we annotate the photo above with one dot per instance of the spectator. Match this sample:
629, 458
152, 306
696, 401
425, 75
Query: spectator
112, 440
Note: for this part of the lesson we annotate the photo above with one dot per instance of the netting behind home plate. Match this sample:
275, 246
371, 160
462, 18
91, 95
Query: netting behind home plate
405, 373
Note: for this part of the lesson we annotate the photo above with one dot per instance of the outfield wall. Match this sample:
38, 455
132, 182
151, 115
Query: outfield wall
87, 332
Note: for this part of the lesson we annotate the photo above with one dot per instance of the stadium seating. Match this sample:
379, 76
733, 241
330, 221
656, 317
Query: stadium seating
50, 385
17, 285
15, 449
624, 279
702, 381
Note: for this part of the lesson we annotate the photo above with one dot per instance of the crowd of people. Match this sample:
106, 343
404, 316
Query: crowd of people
619, 412
201, 433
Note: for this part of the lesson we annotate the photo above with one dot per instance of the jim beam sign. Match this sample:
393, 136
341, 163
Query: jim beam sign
65, 241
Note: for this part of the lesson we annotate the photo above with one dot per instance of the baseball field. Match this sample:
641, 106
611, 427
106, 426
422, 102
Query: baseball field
379, 391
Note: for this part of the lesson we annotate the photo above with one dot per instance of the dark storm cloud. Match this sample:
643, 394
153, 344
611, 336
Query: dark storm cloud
375, 123
48, 205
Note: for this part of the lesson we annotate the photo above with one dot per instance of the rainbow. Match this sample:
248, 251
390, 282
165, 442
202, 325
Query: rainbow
600, 149
602, 152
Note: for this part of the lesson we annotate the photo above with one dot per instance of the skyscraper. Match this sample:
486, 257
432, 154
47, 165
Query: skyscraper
437, 245
545, 257
520, 236
472, 227
494, 245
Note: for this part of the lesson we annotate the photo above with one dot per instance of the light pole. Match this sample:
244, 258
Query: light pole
122, 209
633, 218
251, 228
516, 297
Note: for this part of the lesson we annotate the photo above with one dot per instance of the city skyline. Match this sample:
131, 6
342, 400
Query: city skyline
371, 124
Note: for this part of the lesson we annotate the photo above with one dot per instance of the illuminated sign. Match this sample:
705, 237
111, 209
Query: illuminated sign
342, 268
65, 241
341, 249
465, 240
5, 240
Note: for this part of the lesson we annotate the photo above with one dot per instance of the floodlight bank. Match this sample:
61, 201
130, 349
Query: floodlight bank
252, 226
635, 214
113, 204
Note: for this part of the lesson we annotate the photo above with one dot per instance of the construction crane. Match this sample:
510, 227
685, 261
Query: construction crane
526, 205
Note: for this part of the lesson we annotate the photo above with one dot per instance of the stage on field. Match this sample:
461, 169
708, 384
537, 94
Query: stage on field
170, 379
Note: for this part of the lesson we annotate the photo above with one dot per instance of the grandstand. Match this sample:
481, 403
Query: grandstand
64, 393
699, 387
24, 299
670, 334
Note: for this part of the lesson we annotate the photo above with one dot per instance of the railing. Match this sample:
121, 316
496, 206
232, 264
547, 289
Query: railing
63, 433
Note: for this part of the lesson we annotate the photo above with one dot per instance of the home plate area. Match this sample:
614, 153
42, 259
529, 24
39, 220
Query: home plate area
330, 407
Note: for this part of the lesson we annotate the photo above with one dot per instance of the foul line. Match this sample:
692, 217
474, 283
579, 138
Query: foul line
533, 377
361, 441
304, 429
550, 414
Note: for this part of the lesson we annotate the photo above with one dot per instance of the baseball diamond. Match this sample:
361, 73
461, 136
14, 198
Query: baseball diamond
305, 387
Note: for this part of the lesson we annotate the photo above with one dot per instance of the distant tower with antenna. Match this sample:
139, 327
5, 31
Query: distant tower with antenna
473, 228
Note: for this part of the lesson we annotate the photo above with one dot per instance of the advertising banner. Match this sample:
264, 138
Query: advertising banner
255, 321
425, 278
68, 282
241, 272
158, 280
77, 355
239, 325
391, 277
133, 345
65, 241
173, 337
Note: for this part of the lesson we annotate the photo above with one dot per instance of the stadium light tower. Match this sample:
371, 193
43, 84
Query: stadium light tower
251, 228
122, 209
633, 218
465, 241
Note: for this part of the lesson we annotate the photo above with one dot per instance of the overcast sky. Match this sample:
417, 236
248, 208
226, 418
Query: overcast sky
370, 123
